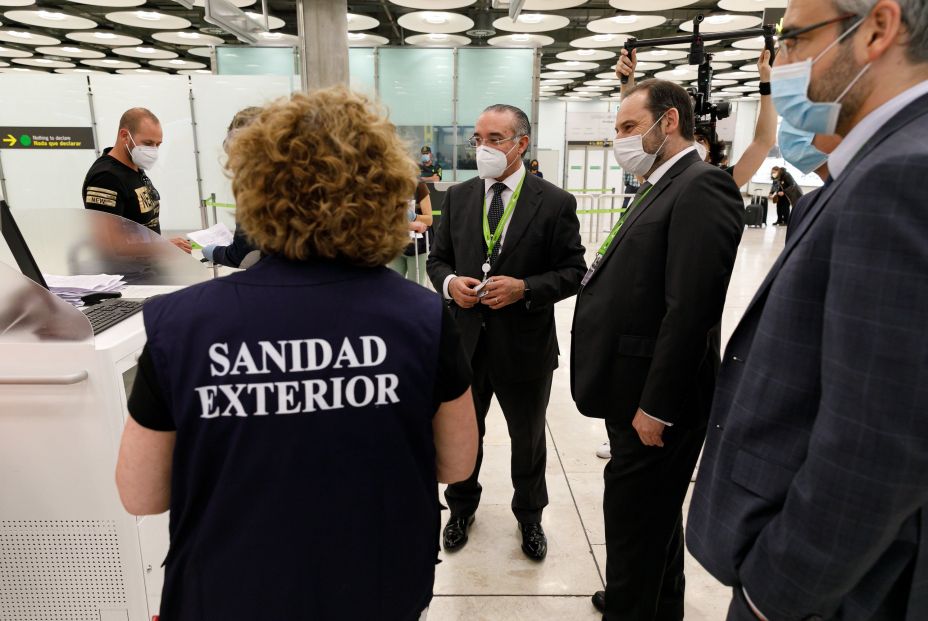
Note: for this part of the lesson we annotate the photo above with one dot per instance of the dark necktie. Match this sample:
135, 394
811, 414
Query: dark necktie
639, 195
494, 215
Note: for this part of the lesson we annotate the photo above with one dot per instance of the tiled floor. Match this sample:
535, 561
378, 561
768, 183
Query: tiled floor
490, 579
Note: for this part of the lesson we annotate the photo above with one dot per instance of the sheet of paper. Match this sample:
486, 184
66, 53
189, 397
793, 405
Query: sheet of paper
216, 235
71, 288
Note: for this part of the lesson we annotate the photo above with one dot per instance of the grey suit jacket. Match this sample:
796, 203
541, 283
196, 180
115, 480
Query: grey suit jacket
813, 488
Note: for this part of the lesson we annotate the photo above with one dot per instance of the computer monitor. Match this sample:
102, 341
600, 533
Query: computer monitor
17, 243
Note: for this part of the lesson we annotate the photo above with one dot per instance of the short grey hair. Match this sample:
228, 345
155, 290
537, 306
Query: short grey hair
914, 16
521, 125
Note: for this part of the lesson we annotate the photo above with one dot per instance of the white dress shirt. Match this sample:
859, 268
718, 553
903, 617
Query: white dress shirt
841, 157
511, 182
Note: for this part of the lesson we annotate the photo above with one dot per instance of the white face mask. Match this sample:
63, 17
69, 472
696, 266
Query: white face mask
630, 154
492, 163
142, 156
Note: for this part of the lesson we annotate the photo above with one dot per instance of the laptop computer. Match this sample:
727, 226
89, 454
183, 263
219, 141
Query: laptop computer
102, 315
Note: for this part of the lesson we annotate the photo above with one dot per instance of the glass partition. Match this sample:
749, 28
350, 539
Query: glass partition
361, 62
255, 60
67, 242
29, 313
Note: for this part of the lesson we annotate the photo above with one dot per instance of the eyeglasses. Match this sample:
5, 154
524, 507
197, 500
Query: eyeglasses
787, 39
477, 141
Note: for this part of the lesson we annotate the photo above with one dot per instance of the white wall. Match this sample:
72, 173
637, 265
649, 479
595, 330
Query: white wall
552, 119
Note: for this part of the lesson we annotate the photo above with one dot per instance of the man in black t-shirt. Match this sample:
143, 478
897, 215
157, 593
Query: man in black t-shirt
116, 183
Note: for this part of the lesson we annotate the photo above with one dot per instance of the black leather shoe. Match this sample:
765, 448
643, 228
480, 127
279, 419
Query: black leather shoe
455, 534
534, 542
599, 601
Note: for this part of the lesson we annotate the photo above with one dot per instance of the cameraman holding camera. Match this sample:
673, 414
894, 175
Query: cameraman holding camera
765, 132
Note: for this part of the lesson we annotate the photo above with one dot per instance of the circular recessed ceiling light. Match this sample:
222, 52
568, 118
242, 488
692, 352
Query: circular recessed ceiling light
560, 75
186, 37
600, 41
114, 4
532, 22
650, 5
144, 52
17, 2
272, 22
625, 23
751, 6
521, 40
361, 22
723, 23
662, 55
27, 38
554, 82
140, 71
177, 63
736, 75
50, 19
754, 43
104, 37
437, 39
278, 39
587, 55
67, 71
195, 72
366, 40
238, 3
110, 63
44, 63
441, 5
69, 52
8, 52
148, 19
551, 5
435, 21
572, 65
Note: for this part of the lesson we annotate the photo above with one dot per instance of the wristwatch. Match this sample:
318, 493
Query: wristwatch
526, 293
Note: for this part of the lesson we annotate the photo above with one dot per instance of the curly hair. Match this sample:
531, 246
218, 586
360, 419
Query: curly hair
323, 175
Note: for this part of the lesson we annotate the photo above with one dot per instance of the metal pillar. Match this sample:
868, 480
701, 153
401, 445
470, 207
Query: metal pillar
323, 31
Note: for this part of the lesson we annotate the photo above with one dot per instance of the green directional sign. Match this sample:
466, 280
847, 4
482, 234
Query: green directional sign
46, 138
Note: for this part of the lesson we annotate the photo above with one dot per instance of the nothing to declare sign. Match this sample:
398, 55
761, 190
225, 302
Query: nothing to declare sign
46, 138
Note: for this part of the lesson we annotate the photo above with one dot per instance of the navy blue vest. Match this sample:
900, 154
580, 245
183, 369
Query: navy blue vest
304, 481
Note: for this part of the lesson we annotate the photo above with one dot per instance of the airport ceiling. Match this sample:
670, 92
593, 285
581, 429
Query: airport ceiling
579, 39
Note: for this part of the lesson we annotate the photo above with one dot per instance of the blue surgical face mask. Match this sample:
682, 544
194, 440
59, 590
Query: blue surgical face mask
797, 148
425, 158
789, 86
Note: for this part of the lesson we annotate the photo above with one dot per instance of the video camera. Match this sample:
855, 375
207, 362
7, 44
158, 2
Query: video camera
707, 112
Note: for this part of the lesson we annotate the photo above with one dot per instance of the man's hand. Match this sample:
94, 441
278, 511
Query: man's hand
649, 430
763, 66
501, 291
418, 227
626, 64
182, 243
461, 289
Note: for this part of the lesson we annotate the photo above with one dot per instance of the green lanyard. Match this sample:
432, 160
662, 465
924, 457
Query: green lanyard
492, 239
618, 225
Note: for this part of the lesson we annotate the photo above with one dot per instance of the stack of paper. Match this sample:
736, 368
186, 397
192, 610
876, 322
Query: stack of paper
216, 235
71, 288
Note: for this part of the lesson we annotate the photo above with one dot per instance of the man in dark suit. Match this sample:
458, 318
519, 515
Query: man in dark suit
812, 496
646, 345
519, 234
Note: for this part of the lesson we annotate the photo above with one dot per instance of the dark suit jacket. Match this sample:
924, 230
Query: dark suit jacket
541, 246
235, 253
813, 488
646, 327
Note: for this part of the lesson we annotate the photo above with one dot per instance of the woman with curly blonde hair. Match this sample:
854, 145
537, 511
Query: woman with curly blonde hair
298, 436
